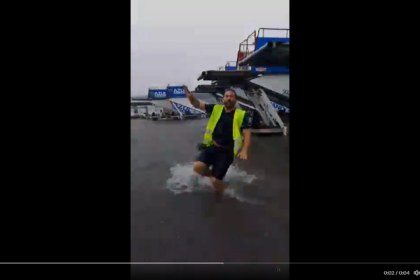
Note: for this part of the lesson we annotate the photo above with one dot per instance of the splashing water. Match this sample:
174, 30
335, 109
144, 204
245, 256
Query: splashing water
184, 180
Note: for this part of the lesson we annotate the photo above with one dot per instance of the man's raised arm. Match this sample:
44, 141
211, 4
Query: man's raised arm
194, 101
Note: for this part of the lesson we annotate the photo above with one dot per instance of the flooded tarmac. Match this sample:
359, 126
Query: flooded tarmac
174, 223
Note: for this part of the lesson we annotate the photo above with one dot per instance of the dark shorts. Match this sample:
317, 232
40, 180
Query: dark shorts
218, 158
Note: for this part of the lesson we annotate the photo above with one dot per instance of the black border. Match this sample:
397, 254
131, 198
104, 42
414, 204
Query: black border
351, 196
66, 153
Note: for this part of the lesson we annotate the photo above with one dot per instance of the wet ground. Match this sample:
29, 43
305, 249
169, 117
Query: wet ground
192, 227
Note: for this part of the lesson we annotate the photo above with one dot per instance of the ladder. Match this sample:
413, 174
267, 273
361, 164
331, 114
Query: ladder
181, 115
264, 107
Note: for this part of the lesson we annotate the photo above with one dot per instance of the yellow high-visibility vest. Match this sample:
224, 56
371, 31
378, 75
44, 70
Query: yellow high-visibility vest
237, 123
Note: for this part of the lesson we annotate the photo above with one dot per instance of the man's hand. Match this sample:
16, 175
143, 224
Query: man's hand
243, 155
194, 101
186, 91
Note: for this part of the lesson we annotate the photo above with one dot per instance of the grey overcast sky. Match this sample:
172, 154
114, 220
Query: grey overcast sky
173, 41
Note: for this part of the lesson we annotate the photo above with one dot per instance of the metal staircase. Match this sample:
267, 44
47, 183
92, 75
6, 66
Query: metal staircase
264, 107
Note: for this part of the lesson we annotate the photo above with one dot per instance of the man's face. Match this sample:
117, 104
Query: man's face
229, 100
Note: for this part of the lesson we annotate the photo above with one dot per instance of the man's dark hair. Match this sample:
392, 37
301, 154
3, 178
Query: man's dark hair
232, 90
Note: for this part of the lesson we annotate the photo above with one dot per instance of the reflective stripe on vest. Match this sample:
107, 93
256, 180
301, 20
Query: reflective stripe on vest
237, 123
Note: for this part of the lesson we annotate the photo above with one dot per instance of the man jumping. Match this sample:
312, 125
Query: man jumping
223, 138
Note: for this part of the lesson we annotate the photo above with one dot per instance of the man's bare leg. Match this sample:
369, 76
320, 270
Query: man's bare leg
218, 185
201, 168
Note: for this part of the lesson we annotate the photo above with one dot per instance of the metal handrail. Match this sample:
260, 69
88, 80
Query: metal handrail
228, 64
245, 46
261, 30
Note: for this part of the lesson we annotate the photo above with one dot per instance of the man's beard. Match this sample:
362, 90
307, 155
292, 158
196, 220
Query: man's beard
230, 104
